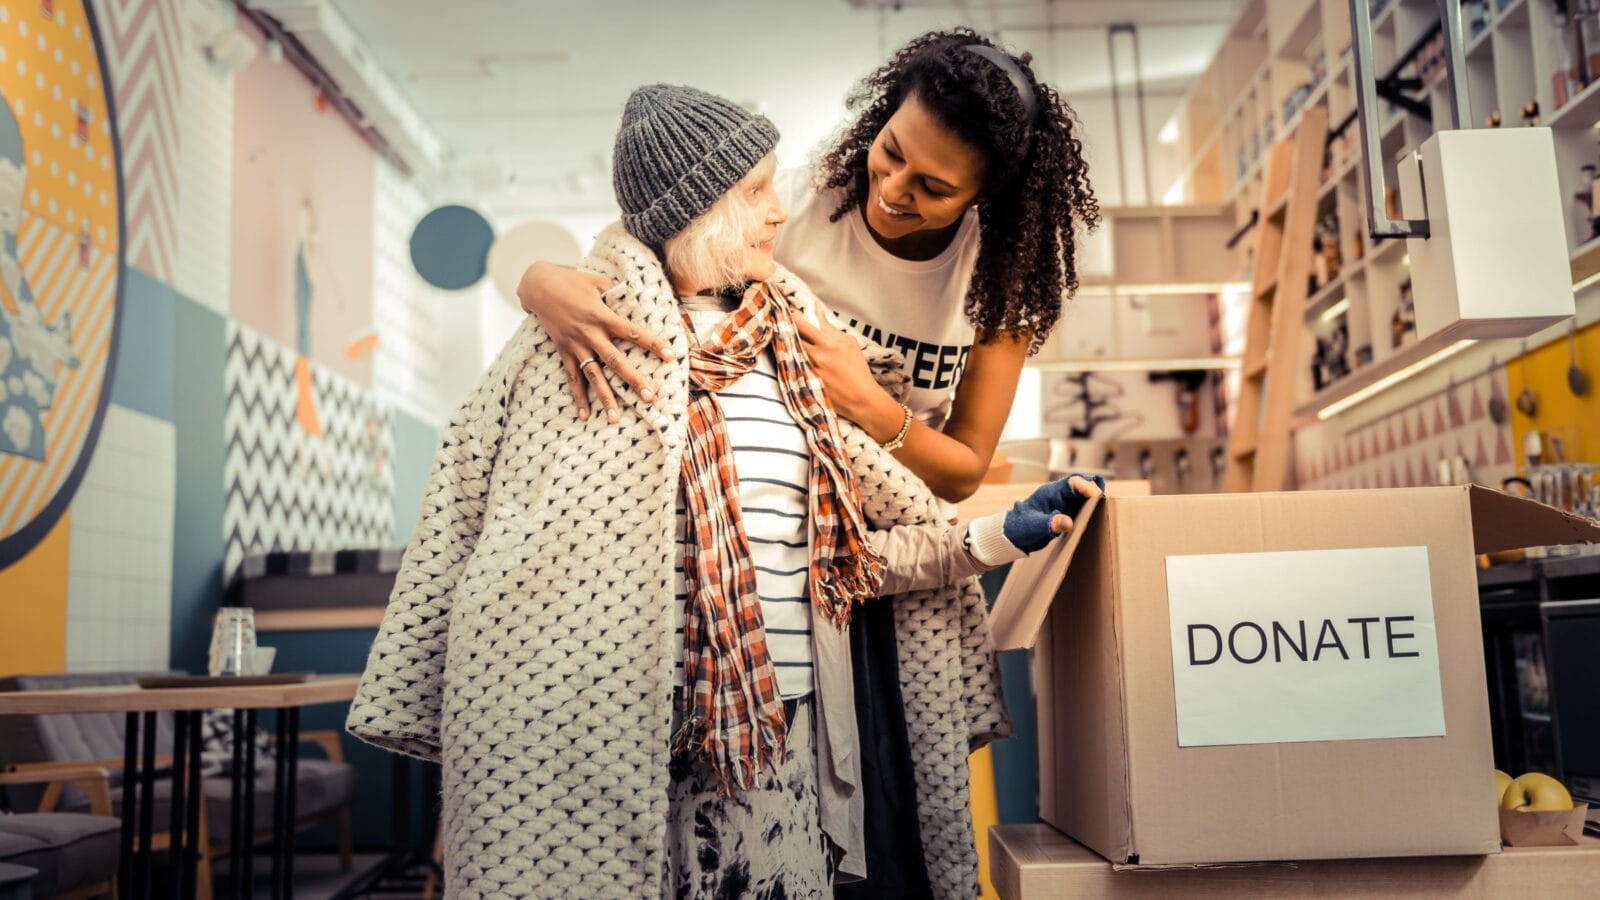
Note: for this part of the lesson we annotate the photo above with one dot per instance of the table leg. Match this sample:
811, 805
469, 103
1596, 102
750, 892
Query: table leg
250, 799
147, 806
177, 857
291, 793
130, 792
238, 888
283, 803
194, 845
279, 780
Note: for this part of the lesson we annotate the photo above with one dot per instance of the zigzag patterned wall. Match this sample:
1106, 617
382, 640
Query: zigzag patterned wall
290, 489
143, 44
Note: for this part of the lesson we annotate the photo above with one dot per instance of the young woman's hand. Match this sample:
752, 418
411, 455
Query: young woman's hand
1048, 511
854, 393
567, 303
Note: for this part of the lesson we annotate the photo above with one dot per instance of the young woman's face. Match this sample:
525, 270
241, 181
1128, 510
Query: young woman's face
767, 213
920, 176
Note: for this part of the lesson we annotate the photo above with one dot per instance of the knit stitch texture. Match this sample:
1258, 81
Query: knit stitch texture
679, 150
527, 643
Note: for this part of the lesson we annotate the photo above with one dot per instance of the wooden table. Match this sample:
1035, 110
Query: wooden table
187, 705
1031, 862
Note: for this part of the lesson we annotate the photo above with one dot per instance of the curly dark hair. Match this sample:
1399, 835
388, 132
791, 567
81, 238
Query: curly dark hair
1036, 195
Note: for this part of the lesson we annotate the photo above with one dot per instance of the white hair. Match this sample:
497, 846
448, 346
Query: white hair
710, 252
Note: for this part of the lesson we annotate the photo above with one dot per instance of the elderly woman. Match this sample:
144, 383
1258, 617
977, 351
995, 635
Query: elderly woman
627, 646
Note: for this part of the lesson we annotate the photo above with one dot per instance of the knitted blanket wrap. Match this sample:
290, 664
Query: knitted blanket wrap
527, 643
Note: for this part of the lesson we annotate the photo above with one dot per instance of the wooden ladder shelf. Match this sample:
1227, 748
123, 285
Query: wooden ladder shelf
1258, 448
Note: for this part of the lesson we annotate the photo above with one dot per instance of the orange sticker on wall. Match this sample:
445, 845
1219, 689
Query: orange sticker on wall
61, 246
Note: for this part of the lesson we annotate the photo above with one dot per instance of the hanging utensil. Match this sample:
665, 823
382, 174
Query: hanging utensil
1577, 378
1527, 400
1499, 410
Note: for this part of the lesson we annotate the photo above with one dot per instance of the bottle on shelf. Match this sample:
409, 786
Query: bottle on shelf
1565, 47
1403, 324
1332, 259
1492, 120
1530, 113
1476, 14
1589, 39
1583, 203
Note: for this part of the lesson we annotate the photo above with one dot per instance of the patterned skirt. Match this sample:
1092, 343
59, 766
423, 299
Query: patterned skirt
765, 843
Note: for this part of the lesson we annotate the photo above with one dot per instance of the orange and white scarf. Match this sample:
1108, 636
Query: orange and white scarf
732, 710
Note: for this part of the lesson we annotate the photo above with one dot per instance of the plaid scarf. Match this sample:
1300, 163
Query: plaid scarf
732, 710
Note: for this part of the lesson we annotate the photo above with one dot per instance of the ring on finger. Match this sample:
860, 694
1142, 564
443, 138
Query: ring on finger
593, 360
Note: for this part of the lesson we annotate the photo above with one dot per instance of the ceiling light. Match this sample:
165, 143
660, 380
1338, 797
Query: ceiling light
1336, 310
1169, 132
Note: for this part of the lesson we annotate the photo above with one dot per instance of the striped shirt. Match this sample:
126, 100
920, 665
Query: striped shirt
773, 464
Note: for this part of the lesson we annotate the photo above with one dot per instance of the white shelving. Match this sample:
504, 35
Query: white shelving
1265, 59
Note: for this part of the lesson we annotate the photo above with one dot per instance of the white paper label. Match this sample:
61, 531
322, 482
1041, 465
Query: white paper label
1310, 645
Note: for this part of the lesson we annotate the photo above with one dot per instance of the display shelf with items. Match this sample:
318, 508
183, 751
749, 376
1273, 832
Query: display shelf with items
1528, 62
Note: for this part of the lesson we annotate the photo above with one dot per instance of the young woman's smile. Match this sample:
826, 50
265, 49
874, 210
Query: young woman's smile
921, 177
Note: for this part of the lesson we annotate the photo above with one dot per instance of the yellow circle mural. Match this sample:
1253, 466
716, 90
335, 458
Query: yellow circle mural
61, 247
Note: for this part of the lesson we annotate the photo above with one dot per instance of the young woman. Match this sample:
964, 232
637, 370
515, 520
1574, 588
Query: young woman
626, 645
943, 225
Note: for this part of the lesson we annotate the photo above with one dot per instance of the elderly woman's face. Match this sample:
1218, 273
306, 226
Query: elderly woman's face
767, 213
731, 243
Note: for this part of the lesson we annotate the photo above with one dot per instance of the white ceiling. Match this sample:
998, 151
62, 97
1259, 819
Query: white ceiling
526, 93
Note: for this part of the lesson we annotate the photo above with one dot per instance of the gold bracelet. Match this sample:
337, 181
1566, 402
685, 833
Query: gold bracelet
905, 429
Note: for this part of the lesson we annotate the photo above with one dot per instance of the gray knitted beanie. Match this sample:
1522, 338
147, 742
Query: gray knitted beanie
678, 151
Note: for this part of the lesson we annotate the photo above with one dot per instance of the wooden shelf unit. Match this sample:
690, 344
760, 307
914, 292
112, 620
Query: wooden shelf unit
1263, 62
1258, 446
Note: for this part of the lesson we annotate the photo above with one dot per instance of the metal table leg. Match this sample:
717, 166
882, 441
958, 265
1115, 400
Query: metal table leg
193, 846
285, 770
177, 855
237, 828
130, 792
249, 862
147, 806
279, 759
291, 795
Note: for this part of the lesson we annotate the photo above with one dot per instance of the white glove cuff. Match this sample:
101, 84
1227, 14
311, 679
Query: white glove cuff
986, 539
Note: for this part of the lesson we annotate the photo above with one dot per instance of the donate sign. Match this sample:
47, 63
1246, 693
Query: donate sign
1309, 645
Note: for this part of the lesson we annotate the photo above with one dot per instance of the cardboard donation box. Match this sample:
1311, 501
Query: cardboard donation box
1259, 677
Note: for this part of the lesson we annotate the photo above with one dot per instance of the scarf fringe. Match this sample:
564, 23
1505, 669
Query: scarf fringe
735, 772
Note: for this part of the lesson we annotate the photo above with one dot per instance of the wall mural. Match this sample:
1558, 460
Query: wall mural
61, 247
292, 488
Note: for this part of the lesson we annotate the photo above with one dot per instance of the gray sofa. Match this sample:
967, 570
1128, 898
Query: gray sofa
59, 854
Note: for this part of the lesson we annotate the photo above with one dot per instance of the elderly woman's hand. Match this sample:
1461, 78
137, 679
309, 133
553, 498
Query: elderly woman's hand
855, 394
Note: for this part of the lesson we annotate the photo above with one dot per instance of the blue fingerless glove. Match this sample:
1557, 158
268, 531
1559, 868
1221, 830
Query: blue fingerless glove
1027, 524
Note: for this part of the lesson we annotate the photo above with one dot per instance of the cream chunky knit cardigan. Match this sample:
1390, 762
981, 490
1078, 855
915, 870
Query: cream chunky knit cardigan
526, 646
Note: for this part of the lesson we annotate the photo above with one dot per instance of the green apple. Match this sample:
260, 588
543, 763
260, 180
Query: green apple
1535, 792
1501, 782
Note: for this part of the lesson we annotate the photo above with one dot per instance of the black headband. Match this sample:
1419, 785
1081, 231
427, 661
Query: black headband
1003, 60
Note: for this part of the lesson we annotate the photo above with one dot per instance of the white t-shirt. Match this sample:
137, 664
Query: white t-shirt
773, 464
913, 306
